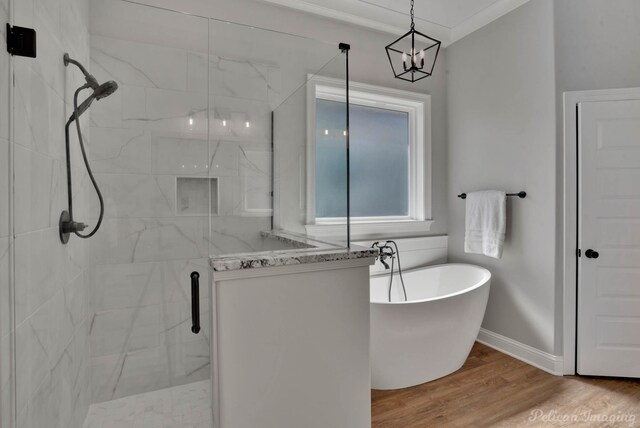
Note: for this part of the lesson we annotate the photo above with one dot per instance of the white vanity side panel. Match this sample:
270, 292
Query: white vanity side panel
293, 350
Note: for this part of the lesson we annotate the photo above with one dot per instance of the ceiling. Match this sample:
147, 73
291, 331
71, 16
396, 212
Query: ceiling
448, 20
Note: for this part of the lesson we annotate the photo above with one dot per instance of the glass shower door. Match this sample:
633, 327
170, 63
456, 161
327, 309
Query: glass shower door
207, 117
153, 156
103, 325
6, 239
311, 156
259, 96
262, 91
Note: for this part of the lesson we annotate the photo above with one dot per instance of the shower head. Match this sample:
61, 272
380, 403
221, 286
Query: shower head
105, 90
99, 91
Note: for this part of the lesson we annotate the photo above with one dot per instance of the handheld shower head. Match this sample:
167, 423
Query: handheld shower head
99, 91
105, 90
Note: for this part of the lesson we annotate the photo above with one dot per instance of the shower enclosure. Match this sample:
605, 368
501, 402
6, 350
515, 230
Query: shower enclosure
201, 151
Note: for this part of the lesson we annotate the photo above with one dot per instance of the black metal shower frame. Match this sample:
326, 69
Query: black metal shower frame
345, 48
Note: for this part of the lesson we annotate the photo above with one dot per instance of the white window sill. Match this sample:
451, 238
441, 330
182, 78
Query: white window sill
364, 230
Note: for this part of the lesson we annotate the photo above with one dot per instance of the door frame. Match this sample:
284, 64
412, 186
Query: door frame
570, 211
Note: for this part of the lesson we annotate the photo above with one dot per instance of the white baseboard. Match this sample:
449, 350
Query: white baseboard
537, 358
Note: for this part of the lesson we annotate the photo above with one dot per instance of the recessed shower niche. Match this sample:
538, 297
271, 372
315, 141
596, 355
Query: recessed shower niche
192, 194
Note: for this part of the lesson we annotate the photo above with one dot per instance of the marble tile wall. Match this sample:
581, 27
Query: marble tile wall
50, 280
177, 114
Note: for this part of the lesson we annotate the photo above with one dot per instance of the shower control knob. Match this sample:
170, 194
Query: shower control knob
67, 226
73, 226
591, 254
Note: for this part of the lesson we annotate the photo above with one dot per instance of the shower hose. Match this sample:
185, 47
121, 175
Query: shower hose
404, 290
76, 116
391, 253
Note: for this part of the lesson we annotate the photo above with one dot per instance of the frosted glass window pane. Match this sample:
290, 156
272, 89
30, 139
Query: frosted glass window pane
331, 171
379, 161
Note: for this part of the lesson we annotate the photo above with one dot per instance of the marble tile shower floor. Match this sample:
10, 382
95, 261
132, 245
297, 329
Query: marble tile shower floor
184, 406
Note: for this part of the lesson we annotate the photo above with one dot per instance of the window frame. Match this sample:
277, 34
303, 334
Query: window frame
418, 108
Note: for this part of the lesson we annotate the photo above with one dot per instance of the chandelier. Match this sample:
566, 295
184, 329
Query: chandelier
413, 56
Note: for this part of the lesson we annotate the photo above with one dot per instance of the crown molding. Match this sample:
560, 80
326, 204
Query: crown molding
440, 32
444, 34
484, 17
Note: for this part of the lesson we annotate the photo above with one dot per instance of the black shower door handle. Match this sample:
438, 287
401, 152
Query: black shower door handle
195, 302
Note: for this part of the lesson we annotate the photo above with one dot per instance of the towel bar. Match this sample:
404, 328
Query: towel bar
521, 194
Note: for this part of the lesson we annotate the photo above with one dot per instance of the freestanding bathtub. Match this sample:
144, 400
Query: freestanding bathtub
431, 334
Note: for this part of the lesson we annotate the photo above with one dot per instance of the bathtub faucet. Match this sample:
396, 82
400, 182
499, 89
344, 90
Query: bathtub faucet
384, 251
387, 251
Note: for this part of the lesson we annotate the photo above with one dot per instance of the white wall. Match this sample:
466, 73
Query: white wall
597, 44
501, 92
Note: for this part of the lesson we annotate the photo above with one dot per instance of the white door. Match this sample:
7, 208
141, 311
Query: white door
609, 238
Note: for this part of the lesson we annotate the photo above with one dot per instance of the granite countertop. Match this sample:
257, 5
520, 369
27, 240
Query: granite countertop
303, 250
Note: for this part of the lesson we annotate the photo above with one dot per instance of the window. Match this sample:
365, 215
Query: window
390, 159
379, 162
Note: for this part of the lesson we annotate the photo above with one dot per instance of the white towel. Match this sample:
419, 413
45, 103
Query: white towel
486, 217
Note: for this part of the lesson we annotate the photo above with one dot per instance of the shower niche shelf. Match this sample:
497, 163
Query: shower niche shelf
196, 196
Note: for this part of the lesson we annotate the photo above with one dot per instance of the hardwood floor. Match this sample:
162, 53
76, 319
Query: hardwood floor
495, 390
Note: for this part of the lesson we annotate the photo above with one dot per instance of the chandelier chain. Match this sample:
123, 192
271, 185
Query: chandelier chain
412, 23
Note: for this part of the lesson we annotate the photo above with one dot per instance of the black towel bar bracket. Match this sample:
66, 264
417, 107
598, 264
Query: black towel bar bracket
521, 194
